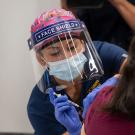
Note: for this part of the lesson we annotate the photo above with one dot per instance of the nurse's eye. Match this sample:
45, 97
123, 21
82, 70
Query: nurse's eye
55, 52
72, 48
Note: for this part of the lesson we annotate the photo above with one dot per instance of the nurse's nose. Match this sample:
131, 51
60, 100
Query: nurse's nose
67, 54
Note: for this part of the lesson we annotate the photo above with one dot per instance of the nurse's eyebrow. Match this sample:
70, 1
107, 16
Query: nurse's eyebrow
50, 47
69, 42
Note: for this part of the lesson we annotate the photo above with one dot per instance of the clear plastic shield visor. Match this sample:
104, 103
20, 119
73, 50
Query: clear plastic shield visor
67, 59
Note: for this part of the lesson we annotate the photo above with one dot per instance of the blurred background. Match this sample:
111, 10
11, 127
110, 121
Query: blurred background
16, 70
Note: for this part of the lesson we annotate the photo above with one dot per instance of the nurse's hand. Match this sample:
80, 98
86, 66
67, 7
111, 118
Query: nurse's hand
92, 95
66, 113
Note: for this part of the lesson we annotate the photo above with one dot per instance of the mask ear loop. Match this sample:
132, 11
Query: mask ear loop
43, 58
66, 58
52, 43
74, 45
47, 67
77, 55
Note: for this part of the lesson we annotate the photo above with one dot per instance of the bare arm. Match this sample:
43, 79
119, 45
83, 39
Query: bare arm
83, 130
65, 6
66, 133
127, 11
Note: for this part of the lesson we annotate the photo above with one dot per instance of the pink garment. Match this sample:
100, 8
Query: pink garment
98, 122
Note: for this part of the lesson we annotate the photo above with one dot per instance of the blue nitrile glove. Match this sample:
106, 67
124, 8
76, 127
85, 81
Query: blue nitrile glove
66, 113
92, 95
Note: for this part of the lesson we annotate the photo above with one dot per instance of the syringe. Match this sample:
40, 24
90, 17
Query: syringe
71, 102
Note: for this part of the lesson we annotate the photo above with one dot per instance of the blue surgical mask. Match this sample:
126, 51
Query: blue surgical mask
68, 69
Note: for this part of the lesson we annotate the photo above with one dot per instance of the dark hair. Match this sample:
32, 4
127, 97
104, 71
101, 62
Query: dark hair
123, 98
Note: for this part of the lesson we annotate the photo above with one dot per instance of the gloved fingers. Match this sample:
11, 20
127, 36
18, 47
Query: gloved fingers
51, 95
110, 82
86, 101
91, 96
86, 106
63, 108
74, 111
83, 114
85, 111
61, 104
61, 99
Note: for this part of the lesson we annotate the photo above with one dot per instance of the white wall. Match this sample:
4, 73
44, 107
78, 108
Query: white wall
16, 71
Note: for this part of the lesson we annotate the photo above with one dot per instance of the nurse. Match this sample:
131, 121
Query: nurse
66, 60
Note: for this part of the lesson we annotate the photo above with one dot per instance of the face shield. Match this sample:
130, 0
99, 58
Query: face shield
63, 55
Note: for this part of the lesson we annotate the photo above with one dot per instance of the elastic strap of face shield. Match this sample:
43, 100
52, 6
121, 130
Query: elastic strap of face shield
66, 58
76, 54
69, 36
